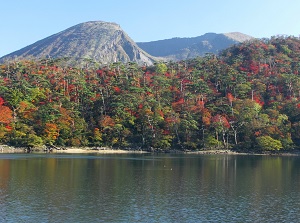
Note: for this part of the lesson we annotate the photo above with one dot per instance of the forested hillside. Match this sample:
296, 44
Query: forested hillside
245, 98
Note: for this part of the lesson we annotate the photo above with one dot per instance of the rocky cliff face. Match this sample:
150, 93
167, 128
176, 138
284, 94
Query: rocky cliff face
100, 41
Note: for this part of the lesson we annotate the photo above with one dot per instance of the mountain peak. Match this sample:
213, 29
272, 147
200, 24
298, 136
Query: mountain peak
97, 24
100, 41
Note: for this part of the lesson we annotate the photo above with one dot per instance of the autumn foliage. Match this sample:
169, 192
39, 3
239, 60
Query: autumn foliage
247, 97
6, 114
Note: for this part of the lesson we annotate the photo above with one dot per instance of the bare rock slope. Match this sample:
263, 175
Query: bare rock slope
100, 41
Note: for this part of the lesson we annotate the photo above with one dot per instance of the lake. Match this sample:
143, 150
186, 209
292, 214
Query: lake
149, 188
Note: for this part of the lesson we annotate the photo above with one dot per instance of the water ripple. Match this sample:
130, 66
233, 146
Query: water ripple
149, 189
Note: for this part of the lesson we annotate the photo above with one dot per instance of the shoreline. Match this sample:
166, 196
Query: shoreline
71, 150
4, 149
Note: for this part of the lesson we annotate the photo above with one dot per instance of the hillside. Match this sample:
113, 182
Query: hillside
247, 98
98, 41
187, 48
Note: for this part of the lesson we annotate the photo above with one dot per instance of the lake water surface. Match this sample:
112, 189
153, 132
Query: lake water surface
149, 188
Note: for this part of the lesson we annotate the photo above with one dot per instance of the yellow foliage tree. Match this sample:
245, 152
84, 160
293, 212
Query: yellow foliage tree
51, 132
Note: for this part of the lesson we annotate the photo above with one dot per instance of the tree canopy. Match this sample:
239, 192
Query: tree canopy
245, 98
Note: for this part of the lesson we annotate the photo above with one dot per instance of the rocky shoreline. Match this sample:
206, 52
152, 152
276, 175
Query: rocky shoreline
105, 150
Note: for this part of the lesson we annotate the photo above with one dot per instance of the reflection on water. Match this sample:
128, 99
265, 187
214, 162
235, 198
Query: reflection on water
148, 188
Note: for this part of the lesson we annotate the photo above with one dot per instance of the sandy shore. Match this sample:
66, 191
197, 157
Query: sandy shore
102, 151
115, 151
9, 149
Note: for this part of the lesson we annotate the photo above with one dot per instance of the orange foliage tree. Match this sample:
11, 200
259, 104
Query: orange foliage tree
6, 114
50, 132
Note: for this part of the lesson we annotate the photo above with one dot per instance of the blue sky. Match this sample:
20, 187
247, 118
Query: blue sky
25, 22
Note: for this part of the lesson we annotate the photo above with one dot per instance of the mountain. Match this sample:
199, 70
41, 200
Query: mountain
185, 48
100, 41
106, 43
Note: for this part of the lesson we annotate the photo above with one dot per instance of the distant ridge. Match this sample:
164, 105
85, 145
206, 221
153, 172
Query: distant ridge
97, 40
185, 48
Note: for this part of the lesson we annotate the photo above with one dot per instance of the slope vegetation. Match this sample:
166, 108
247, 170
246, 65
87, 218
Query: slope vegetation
246, 98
